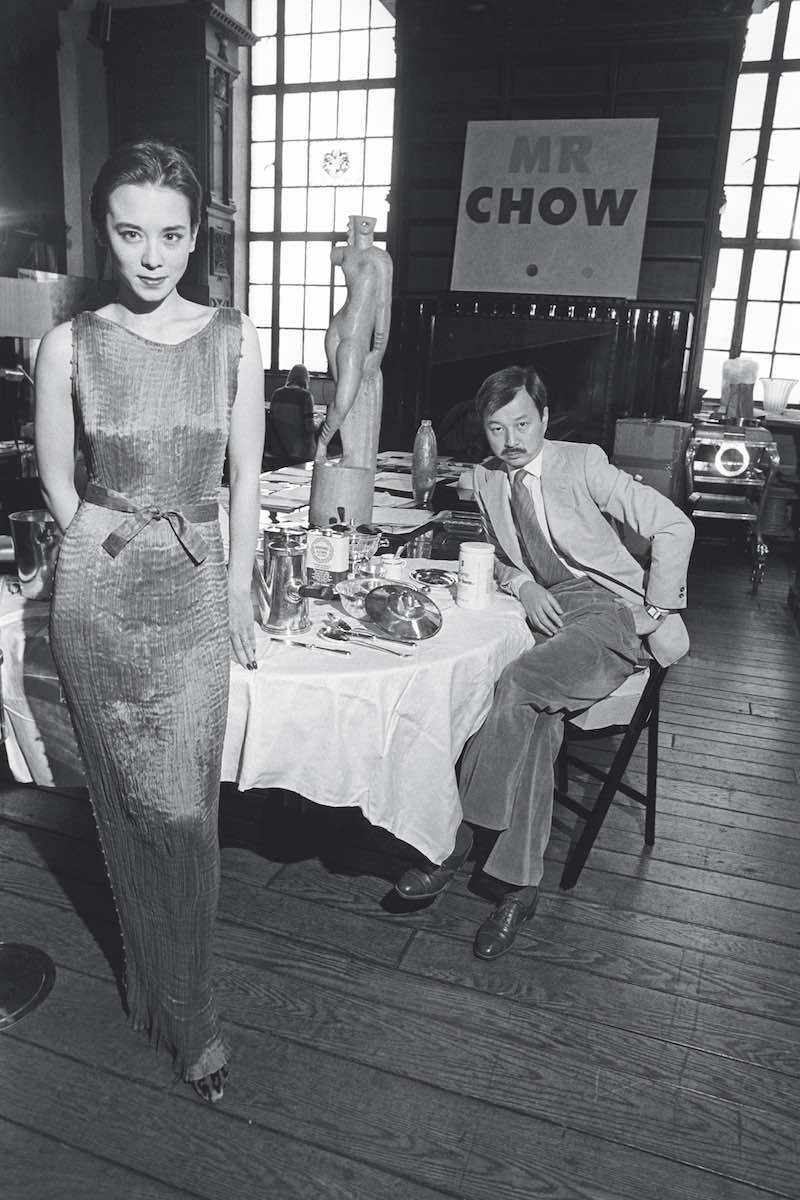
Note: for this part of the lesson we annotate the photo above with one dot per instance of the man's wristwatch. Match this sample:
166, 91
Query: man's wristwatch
656, 613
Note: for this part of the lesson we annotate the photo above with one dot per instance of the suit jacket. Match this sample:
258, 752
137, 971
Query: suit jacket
579, 485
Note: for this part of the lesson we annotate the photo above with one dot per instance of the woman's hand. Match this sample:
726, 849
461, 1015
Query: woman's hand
242, 626
544, 611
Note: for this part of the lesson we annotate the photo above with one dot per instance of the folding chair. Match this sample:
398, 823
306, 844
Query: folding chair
628, 710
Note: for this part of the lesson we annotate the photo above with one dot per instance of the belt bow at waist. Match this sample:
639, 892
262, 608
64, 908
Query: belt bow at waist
141, 515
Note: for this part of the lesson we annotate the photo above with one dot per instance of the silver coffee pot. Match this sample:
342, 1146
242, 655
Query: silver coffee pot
283, 608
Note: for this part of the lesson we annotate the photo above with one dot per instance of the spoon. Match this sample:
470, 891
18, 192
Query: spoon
335, 634
346, 627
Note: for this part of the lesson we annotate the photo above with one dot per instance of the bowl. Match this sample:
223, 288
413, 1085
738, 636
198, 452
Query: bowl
353, 592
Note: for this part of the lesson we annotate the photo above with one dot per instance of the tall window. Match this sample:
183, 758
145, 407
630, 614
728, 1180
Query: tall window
755, 304
321, 149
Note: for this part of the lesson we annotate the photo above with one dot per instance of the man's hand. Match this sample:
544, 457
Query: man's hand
645, 624
544, 611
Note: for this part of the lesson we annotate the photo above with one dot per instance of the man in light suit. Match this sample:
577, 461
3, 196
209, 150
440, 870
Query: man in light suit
592, 607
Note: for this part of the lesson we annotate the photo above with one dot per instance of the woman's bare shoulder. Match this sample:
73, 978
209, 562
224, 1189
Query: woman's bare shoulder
56, 345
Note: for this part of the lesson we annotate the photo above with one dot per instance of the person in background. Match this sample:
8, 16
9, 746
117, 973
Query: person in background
290, 423
592, 607
145, 613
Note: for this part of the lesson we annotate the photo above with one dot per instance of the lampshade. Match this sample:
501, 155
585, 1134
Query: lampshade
776, 393
25, 309
31, 307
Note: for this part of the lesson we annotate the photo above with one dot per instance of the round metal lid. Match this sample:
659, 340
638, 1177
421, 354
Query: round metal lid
403, 612
26, 977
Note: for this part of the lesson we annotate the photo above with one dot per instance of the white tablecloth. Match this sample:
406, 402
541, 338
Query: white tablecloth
369, 730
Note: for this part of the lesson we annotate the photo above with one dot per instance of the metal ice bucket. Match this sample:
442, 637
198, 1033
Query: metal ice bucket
36, 542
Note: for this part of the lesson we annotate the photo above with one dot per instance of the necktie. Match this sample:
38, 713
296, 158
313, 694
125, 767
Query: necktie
543, 562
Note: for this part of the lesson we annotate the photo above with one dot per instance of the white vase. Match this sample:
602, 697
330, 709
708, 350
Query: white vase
776, 394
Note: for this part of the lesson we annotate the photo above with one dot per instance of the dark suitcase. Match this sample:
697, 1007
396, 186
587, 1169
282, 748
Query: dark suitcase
653, 452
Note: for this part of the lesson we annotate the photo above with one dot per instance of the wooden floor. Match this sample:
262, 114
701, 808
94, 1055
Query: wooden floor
642, 1041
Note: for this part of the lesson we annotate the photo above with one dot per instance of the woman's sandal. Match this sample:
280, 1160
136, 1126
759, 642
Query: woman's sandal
211, 1087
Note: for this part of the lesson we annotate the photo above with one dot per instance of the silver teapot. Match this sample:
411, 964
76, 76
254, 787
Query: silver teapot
283, 609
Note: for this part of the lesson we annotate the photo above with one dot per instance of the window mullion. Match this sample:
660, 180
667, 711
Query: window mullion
283, 308
767, 119
278, 211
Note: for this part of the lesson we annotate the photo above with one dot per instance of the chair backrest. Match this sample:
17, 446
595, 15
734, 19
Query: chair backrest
290, 425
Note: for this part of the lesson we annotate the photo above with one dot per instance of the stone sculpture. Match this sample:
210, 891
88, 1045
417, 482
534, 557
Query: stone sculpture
355, 344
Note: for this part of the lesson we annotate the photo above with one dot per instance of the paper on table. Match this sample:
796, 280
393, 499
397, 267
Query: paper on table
391, 479
299, 491
282, 503
395, 457
275, 518
269, 489
387, 500
287, 475
401, 518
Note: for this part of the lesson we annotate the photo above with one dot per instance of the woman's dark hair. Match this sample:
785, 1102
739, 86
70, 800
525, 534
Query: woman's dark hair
501, 388
147, 161
298, 377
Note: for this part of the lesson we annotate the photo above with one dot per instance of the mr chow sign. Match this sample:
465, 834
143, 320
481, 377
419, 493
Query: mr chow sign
553, 206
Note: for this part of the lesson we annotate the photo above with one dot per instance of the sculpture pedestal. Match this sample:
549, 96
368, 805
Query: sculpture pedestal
349, 485
341, 494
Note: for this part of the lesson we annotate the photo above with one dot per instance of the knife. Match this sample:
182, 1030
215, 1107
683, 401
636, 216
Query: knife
309, 646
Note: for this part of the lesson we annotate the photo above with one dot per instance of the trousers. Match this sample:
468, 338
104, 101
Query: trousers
507, 771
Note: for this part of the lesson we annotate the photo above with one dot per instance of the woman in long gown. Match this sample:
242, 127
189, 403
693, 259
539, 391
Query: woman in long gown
145, 614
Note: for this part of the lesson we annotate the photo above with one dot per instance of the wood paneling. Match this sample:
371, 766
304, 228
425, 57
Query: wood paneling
513, 60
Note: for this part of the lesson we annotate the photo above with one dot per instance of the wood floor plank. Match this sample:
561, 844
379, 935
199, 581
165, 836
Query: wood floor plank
523, 979
702, 793
696, 908
673, 724
35, 1167
59, 934
67, 812
642, 1040
701, 844
177, 1137
397, 1111
652, 869
237, 901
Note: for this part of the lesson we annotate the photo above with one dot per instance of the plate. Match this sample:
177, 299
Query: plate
433, 577
403, 612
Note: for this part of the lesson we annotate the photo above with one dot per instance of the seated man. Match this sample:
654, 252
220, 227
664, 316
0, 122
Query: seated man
590, 605
290, 421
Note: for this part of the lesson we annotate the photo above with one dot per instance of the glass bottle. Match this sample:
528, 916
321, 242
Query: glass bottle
423, 464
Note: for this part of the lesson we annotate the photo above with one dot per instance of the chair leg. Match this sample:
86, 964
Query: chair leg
576, 860
562, 767
652, 776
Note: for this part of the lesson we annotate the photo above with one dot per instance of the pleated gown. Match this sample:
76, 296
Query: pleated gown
140, 638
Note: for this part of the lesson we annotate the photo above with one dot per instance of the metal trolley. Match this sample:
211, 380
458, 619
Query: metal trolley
730, 467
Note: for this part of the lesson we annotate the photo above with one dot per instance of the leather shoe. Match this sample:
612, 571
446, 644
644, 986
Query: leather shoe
419, 884
497, 933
